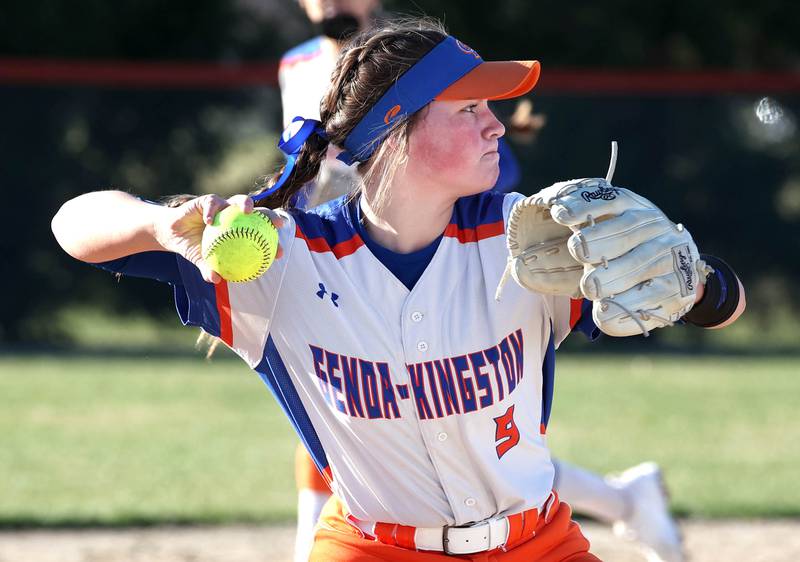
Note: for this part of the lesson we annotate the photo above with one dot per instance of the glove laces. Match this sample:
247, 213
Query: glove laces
638, 316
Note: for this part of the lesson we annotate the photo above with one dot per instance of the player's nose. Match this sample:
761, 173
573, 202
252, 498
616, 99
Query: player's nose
494, 128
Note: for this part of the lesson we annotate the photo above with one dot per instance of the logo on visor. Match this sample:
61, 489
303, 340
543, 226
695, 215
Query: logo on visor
467, 50
391, 114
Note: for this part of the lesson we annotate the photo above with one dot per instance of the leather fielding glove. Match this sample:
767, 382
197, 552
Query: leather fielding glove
640, 270
537, 246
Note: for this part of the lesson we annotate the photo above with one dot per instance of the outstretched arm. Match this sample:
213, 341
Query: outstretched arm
106, 225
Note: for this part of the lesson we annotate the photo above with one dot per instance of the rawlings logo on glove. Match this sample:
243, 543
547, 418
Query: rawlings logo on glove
605, 193
588, 238
683, 264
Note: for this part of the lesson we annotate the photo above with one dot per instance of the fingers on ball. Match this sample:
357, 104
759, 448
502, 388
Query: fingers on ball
211, 205
244, 202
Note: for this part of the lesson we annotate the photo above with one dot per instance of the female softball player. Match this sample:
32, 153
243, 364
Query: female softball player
422, 399
633, 502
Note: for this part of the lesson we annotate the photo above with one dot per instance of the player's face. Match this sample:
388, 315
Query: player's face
454, 146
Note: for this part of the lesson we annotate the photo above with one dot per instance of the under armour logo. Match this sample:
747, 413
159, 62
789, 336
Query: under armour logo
322, 292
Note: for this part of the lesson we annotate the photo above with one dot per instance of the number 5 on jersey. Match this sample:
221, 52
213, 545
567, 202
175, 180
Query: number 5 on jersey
507, 434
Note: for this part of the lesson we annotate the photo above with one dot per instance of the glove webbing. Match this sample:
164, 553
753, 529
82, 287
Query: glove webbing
512, 223
513, 245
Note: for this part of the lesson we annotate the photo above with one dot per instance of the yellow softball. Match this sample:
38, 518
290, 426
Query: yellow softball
238, 246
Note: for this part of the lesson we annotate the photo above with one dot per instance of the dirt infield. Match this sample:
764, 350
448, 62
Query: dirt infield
706, 541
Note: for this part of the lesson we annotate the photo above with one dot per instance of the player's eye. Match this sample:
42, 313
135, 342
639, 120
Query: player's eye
471, 108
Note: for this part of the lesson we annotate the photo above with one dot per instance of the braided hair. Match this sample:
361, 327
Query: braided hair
370, 63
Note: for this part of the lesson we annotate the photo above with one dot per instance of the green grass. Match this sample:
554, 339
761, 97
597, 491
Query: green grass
726, 430
105, 440
142, 440
90, 328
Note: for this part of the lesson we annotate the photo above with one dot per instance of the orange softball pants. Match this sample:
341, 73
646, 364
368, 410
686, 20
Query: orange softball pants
557, 540
306, 475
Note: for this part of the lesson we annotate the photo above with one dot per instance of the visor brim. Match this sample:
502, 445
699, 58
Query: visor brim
494, 80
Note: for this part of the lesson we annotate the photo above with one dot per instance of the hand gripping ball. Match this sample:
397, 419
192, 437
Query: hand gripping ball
238, 246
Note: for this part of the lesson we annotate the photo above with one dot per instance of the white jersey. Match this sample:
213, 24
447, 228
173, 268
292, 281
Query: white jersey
425, 407
304, 76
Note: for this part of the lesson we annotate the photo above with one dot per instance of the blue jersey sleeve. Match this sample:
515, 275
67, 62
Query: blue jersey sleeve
161, 266
585, 323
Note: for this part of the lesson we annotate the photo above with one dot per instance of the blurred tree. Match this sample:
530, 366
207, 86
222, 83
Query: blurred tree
736, 34
61, 141
705, 159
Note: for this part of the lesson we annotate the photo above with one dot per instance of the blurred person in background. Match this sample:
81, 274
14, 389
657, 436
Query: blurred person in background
634, 502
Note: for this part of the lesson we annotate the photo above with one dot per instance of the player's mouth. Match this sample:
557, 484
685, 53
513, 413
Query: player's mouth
492, 152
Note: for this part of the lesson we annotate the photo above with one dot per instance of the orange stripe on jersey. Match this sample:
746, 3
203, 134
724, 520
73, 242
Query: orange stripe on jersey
320, 245
542, 428
574, 311
224, 309
347, 247
481, 232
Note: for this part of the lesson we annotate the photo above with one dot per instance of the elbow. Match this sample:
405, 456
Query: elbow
103, 225
60, 227
66, 231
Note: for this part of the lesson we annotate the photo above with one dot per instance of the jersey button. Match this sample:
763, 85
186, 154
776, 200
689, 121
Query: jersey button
442, 436
422, 346
469, 502
417, 316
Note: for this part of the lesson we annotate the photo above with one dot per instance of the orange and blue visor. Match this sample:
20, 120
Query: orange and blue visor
450, 71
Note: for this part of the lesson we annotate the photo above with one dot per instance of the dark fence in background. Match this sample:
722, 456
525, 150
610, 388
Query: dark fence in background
691, 142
